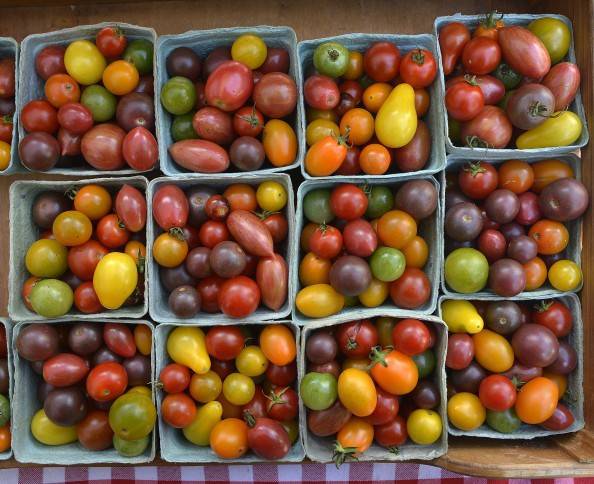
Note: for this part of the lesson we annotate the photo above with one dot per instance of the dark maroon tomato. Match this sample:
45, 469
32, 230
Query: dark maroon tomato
321, 92
64, 370
522, 249
507, 277
352, 88
70, 144
414, 155
282, 375
275, 95
138, 369
350, 165
332, 367
561, 419
463, 222
214, 60
37, 342
50, 61
268, 439
170, 207
512, 230
176, 276
529, 105
502, 206
346, 103
535, 345
350, 275
183, 61
66, 406
529, 212
184, 302
481, 55
356, 338
488, 223
217, 207
478, 180
359, 238
7, 107
105, 355
321, 347
146, 85
464, 100
47, 206
136, 110
119, 339
227, 259
224, 342
490, 128
85, 338
468, 379
209, 289
4, 377
324, 423
454, 197
214, 125
75, 117
392, 434
94, 432
418, 198
223, 368
566, 361
283, 404
460, 351
39, 151
386, 408
503, 317
426, 395
257, 406
197, 197
522, 373
564, 200
381, 61
554, 315
191, 236
492, 244
277, 60
247, 153
43, 388
197, 263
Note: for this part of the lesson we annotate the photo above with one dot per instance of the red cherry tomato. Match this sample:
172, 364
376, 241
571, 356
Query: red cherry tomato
356, 338
208, 289
111, 42
86, 299
464, 100
477, 180
418, 68
239, 297
119, 338
111, 231
481, 55
411, 290
212, 232
224, 342
348, 202
326, 242
411, 337
381, 61
497, 393
107, 381
175, 378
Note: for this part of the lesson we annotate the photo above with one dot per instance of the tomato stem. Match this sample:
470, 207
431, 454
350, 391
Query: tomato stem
250, 420
539, 109
470, 79
394, 450
418, 57
333, 54
177, 232
71, 193
8, 119
252, 119
276, 398
340, 454
476, 142
378, 356
474, 168
490, 21
343, 140
543, 306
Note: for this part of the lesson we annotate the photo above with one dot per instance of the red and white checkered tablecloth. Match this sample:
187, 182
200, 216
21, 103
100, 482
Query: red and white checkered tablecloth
261, 473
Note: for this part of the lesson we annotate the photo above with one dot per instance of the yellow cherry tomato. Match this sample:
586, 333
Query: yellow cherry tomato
396, 120
251, 361
207, 416
357, 392
312, 114
48, 433
120, 77
205, 387
5, 154
492, 351
375, 294
84, 62
143, 338
314, 270
565, 275
461, 316
424, 426
238, 389
186, 345
560, 129
115, 279
465, 411
169, 250
320, 128
249, 50
47, 258
319, 301
280, 142
271, 196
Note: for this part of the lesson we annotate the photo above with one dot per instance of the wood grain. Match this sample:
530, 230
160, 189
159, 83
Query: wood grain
571, 455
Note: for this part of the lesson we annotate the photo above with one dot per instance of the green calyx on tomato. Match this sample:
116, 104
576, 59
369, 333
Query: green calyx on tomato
340, 454
507, 75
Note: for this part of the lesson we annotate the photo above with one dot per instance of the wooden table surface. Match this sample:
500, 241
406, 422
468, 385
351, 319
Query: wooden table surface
319, 18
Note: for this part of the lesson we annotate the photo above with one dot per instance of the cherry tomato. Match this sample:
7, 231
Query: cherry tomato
386, 408
137, 251
464, 100
143, 339
326, 242
26, 290
83, 259
314, 270
536, 273
72, 228
359, 125
86, 299
169, 250
418, 68
465, 411
321, 92
375, 95
205, 387
516, 175
396, 229
39, 116
375, 159
5, 438
554, 315
61, 89
238, 389
353, 89
282, 375
278, 344
277, 225
224, 342
120, 77
6, 127
356, 338
170, 207
241, 197
251, 361
537, 400
111, 42
481, 55
355, 437
326, 156
422, 102
394, 371
391, 434
547, 171
354, 66
411, 290
283, 404
119, 339
490, 26
477, 180
416, 252
212, 232
565, 275
248, 121
93, 200
238, 297
410, 336
175, 378
208, 289
107, 381
178, 410
381, 61
497, 393
492, 351
551, 237
228, 438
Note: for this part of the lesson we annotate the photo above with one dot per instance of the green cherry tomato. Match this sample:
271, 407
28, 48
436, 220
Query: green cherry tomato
425, 362
318, 390
466, 270
387, 264
555, 35
380, 200
384, 328
507, 75
100, 102
331, 59
130, 448
51, 298
140, 53
47, 258
178, 95
182, 127
4, 410
132, 416
316, 206
505, 422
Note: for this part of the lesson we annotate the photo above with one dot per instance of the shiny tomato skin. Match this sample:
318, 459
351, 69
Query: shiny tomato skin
348, 202
464, 101
239, 297
224, 342
107, 381
111, 42
213, 232
175, 378
477, 180
481, 55
208, 289
497, 393
411, 336
418, 68
282, 375
381, 61
119, 338
111, 232
86, 299
411, 290
391, 434
356, 338
229, 86
554, 315
386, 408
321, 92
82, 259
326, 242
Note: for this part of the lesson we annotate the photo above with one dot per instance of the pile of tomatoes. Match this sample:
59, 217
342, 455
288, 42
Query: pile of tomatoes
345, 138
246, 390
7, 92
93, 386
371, 251
90, 251
369, 381
506, 227
5, 436
231, 108
98, 106
507, 85
220, 252
508, 364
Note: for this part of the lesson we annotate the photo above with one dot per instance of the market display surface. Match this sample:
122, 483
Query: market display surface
396, 296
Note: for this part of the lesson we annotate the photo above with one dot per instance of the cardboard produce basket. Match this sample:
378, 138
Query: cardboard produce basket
10, 48
7, 454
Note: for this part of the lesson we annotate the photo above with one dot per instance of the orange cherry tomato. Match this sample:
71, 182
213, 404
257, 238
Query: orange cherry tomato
120, 77
551, 237
492, 351
93, 200
357, 392
325, 157
241, 197
314, 270
72, 228
537, 400
61, 89
422, 102
547, 171
516, 175
490, 26
306, 234
143, 338
399, 376
280, 142
559, 380
355, 66
536, 273
375, 159
137, 251
416, 252
396, 229
5, 438
356, 434
228, 438
360, 126
375, 95
277, 342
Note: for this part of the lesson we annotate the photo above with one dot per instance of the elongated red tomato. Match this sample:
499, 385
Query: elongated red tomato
272, 276
251, 233
130, 206
326, 155
170, 207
